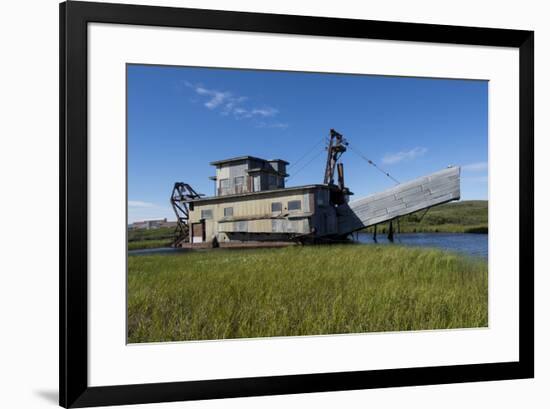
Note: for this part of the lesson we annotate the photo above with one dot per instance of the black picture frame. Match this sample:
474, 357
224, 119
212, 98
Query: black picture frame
73, 257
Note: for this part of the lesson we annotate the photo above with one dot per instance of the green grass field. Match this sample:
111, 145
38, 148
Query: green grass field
469, 216
149, 239
306, 290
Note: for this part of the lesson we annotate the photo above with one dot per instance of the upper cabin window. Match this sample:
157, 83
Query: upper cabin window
225, 185
321, 199
272, 181
228, 211
239, 181
206, 214
276, 207
295, 205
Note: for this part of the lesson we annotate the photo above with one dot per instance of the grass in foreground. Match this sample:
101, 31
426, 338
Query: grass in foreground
302, 291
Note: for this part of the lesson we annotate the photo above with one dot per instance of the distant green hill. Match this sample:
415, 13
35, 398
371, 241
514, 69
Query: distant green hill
153, 238
468, 216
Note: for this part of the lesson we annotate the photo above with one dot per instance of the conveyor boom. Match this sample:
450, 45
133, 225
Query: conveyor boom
405, 198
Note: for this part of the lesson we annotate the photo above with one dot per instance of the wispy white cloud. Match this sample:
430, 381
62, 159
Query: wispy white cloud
392, 158
139, 203
212, 98
475, 167
265, 112
240, 111
215, 98
278, 125
230, 104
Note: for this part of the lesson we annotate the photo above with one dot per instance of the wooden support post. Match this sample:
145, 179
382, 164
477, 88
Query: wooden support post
374, 234
390, 231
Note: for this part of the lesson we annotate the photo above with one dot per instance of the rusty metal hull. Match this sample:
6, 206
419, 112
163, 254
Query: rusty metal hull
422, 193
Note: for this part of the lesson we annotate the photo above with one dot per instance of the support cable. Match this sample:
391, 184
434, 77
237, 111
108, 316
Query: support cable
303, 167
424, 214
370, 162
322, 140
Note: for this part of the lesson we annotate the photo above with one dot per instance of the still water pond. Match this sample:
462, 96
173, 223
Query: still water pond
470, 244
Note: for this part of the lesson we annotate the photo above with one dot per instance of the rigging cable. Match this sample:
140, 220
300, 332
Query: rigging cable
370, 162
303, 167
307, 153
424, 214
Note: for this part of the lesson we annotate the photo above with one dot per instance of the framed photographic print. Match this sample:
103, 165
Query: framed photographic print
257, 204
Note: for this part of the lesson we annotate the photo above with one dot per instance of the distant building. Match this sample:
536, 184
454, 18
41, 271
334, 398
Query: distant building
151, 224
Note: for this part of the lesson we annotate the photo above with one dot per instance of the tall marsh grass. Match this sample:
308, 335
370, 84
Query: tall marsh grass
308, 290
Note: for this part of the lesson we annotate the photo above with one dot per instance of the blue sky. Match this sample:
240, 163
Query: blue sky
180, 119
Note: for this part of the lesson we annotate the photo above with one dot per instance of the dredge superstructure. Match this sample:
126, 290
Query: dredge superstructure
252, 205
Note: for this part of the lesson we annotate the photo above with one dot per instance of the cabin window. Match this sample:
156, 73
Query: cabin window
239, 181
295, 205
276, 207
206, 214
272, 181
257, 185
321, 199
224, 183
228, 211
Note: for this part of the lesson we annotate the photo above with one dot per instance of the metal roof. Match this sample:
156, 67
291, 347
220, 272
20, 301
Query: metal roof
246, 157
260, 193
278, 160
270, 170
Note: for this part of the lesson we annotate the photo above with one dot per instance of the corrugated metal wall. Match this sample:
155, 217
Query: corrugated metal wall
258, 214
